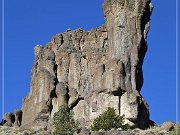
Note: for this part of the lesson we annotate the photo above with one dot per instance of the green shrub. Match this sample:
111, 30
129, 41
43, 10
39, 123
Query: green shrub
64, 122
176, 130
109, 120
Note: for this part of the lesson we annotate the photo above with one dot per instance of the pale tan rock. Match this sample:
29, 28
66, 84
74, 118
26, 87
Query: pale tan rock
167, 126
129, 106
8, 119
61, 99
93, 70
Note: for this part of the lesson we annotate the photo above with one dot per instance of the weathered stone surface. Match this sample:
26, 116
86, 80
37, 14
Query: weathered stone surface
18, 118
91, 71
61, 97
8, 119
167, 126
83, 131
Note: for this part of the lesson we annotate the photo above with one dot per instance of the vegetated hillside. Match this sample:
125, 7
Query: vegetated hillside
160, 130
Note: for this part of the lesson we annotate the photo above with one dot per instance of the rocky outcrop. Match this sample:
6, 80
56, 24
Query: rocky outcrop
93, 70
167, 126
8, 119
18, 118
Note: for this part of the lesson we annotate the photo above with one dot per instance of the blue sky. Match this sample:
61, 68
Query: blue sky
28, 23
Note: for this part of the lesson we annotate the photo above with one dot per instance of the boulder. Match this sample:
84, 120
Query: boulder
8, 119
167, 126
18, 118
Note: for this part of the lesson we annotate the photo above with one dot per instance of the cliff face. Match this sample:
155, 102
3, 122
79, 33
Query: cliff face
91, 71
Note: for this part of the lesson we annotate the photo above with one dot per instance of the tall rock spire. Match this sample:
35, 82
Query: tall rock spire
127, 24
91, 71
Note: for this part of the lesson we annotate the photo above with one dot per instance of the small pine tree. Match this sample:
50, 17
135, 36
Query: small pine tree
64, 122
109, 120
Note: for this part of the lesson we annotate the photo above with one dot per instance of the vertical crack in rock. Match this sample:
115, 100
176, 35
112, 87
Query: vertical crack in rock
91, 71
53, 92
